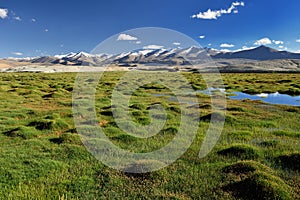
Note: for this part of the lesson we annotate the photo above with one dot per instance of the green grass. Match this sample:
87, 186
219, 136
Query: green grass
252, 180
42, 156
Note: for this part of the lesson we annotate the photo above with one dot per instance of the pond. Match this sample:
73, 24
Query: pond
275, 98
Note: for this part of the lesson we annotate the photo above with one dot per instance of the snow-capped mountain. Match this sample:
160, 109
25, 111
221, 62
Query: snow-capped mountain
80, 58
176, 56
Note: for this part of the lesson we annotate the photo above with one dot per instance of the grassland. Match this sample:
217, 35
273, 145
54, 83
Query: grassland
42, 157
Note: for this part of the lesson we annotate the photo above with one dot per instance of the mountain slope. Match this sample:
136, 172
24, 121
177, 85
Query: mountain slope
259, 53
77, 59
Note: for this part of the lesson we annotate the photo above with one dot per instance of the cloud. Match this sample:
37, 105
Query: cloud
3, 13
177, 43
46, 30
17, 53
263, 41
209, 14
125, 37
33, 20
18, 18
153, 47
238, 4
138, 42
298, 40
215, 14
202, 36
278, 42
15, 17
226, 45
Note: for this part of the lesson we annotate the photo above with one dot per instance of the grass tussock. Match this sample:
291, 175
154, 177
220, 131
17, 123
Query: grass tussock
290, 161
67, 138
22, 132
252, 180
240, 151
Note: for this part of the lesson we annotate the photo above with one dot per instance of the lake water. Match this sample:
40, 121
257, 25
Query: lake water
275, 98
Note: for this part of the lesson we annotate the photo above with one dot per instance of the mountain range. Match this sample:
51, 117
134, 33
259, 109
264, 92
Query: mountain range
177, 56
257, 59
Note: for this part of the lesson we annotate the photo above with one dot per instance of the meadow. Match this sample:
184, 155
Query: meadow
42, 156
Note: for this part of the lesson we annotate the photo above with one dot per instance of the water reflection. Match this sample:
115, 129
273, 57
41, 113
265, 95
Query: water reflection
275, 98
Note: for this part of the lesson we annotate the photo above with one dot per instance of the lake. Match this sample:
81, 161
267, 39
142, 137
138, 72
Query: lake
274, 98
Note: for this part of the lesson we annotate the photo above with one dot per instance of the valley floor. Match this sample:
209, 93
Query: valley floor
42, 156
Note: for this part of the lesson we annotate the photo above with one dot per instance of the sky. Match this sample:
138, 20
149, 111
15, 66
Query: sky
43, 27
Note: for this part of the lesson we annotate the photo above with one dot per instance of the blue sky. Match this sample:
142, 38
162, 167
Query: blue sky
44, 27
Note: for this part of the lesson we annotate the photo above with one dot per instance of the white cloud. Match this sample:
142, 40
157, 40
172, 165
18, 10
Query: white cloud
177, 43
46, 30
298, 40
33, 20
202, 36
226, 45
209, 14
277, 42
281, 47
3, 13
238, 3
17, 53
263, 41
209, 44
153, 47
215, 14
18, 18
138, 42
125, 37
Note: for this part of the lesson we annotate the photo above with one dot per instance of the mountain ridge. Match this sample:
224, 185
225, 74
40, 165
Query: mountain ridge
259, 53
171, 57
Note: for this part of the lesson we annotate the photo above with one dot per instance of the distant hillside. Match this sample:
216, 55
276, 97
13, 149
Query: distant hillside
259, 53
